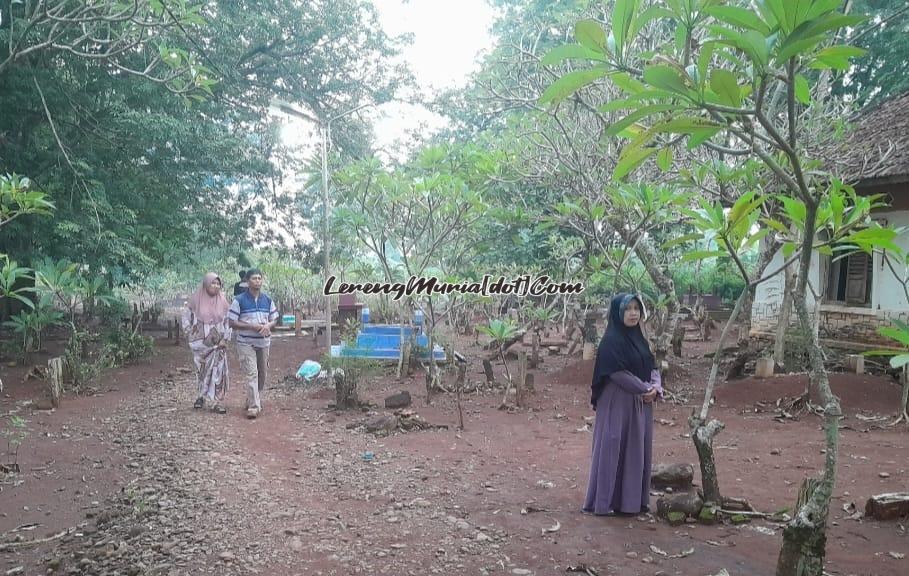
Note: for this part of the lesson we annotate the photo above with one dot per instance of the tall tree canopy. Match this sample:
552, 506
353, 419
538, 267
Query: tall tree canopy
151, 130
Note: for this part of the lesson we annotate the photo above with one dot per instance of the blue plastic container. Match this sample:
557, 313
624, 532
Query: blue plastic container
364, 315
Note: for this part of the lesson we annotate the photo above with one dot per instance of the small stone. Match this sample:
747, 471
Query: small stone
775, 452
521, 571
399, 400
647, 560
678, 476
884, 474
227, 556
631, 555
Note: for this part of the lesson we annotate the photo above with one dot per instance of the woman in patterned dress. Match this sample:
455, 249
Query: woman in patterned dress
208, 332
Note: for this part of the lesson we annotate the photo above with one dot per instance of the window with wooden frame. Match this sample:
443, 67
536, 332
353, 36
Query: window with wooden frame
849, 280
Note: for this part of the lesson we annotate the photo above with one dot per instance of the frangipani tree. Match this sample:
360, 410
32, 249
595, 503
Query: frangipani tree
735, 79
18, 198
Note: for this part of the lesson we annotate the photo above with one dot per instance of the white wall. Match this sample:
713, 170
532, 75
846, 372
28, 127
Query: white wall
887, 294
886, 290
771, 290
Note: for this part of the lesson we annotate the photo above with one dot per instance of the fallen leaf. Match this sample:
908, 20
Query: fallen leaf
681, 554
897, 555
715, 543
554, 528
582, 568
532, 509
656, 550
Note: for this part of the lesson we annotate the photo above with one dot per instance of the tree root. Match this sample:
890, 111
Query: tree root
904, 417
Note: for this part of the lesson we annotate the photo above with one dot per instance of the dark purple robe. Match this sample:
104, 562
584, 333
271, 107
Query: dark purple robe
622, 446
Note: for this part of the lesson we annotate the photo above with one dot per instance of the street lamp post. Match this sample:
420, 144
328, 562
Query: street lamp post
325, 140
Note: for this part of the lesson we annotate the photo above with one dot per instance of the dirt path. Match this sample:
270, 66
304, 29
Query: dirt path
148, 486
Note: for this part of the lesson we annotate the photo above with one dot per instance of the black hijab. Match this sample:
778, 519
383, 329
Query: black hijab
622, 348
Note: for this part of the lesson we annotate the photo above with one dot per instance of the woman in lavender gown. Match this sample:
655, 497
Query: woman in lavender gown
625, 384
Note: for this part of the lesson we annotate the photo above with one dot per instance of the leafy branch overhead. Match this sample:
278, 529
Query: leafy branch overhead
712, 81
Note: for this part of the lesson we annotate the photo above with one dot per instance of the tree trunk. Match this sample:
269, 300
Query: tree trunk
803, 547
487, 368
55, 379
804, 538
462, 378
782, 327
535, 355
663, 282
703, 442
703, 432
678, 337
519, 383
903, 412
345, 392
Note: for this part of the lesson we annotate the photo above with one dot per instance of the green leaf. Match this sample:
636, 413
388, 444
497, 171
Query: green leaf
756, 237
705, 57
744, 206
568, 52
795, 209
621, 104
631, 160
628, 84
685, 125
900, 336
644, 112
622, 16
645, 17
665, 77
702, 255
724, 83
819, 7
740, 17
664, 159
837, 57
827, 23
571, 83
698, 137
590, 35
774, 13
790, 49
758, 44
899, 360
681, 240
802, 91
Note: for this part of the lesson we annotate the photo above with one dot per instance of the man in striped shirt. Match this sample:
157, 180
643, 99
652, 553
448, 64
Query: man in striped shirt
252, 314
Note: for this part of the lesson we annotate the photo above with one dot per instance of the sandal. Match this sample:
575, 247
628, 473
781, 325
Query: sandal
199, 403
219, 409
